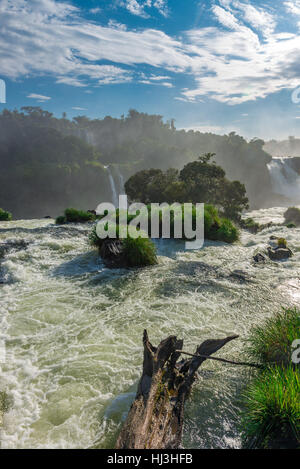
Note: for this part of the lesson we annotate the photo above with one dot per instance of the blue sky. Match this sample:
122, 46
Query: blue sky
212, 65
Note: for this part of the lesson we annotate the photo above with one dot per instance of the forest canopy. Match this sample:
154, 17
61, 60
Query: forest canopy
200, 181
50, 163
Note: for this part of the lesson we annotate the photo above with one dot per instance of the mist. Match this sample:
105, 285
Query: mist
49, 163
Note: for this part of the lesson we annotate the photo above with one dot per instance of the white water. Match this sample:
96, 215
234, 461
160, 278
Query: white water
73, 330
285, 180
121, 181
115, 197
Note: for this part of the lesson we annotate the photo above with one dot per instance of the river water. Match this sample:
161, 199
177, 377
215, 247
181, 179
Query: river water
73, 330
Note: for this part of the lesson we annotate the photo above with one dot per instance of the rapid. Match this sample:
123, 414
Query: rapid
71, 330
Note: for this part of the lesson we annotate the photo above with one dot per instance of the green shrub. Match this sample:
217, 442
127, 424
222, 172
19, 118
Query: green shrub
273, 406
5, 216
291, 225
272, 400
94, 240
78, 216
227, 232
250, 225
271, 342
75, 216
61, 220
282, 243
292, 215
139, 252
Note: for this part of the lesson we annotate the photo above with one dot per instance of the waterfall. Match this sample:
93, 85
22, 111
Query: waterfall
89, 137
115, 197
285, 180
122, 182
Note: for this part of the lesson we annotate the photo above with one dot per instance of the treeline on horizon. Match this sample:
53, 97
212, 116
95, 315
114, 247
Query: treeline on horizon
284, 148
50, 163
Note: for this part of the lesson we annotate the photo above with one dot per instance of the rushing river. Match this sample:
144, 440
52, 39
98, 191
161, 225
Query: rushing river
73, 330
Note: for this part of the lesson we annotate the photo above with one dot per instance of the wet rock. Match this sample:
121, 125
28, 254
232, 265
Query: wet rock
279, 254
111, 252
259, 258
9, 245
47, 217
240, 276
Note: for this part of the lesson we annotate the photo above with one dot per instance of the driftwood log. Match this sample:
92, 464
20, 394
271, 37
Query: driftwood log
155, 419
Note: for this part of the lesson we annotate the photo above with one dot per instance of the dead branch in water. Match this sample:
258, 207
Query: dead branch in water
155, 419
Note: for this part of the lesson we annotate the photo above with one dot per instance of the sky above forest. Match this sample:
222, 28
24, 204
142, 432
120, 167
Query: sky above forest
213, 66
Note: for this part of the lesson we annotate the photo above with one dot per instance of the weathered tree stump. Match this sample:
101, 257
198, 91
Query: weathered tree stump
155, 419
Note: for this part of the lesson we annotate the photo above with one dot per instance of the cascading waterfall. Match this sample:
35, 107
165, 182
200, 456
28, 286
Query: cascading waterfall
115, 197
113, 185
122, 182
285, 180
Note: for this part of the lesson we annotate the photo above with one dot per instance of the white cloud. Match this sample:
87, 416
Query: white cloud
293, 7
166, 84
259, 18
236, 63
136, 8
39, 97
225, 18
141, 7
95, 11
159, 77
34, 41
162, 6
77, 108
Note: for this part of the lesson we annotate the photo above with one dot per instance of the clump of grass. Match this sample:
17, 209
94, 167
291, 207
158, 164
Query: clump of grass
78, 216
5, 216
282, 243
250, 225
217, 228
61, 220
139, 252
94, 240
272, 400
72, 215
227, 231
273, 407
291, 225
271, 342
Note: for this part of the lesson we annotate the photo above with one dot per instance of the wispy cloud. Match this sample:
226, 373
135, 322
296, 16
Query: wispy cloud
95, 11
39, 97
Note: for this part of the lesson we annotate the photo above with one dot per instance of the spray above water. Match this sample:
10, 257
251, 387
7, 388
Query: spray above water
285, 180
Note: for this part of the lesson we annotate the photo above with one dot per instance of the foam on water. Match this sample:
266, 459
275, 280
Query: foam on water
73, 331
